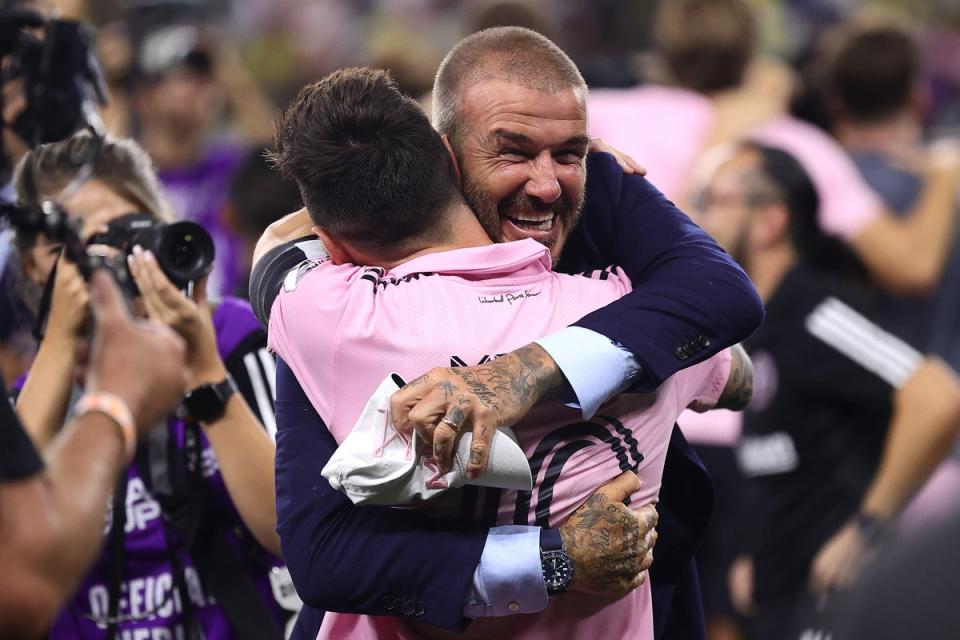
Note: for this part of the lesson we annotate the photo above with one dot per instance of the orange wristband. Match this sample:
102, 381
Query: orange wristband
117, 410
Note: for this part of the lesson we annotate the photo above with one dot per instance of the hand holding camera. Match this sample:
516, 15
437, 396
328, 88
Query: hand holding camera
69, 306
190, 317
140, 362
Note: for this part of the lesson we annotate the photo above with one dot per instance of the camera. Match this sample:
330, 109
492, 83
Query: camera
62, 81
184, 250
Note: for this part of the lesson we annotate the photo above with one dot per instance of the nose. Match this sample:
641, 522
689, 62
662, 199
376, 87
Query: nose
542, 182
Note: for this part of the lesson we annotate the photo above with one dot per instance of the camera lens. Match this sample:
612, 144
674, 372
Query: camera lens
184, 251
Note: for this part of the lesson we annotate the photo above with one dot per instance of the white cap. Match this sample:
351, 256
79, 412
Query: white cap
375, 464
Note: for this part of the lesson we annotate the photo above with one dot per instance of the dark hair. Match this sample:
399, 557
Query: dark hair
873, 71
795, 187
259, 195
707, 44
370, 167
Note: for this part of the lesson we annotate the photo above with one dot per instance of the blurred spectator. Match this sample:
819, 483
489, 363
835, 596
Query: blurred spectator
668, 128
53, 510
877, 104
184, 85
258, 196
192, 527
847, 421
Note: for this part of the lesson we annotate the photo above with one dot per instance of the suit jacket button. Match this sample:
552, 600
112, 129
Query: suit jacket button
704, 341
388, 601
681, 353
419, 611
408, 608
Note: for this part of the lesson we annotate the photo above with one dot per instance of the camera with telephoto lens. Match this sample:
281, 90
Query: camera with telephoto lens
184, 250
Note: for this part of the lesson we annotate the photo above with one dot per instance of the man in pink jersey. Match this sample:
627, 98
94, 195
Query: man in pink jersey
410, 280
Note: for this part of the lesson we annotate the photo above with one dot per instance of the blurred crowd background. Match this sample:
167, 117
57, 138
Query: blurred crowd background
198, 83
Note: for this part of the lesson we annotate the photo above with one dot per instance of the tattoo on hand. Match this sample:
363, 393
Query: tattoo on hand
606, 544
739, 389
455, 418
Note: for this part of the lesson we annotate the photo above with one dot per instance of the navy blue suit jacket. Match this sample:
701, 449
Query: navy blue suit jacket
690, 300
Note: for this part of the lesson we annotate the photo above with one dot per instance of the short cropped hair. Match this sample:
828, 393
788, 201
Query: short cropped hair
873, 71
370, 167
706, 44
119, 163
514, 54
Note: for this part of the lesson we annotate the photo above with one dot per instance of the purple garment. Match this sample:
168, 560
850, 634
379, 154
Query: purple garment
148, 580
199, 193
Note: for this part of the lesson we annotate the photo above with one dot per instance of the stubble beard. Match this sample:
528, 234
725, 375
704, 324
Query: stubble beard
487, 211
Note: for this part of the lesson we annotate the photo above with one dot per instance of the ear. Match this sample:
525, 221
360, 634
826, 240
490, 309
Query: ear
339, 252
453, 157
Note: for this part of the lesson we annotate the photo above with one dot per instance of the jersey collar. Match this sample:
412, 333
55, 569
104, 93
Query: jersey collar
506, 258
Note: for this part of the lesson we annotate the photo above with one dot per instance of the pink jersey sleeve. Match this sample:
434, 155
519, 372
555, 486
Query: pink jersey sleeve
847, 203
700, 386
312, 303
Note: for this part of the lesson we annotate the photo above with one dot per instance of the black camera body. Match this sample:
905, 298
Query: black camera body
62, 80
184, 250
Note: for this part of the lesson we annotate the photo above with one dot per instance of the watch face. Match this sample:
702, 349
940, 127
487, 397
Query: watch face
557, 570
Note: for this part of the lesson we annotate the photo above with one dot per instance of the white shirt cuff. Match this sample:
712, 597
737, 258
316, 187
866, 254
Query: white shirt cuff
596, 367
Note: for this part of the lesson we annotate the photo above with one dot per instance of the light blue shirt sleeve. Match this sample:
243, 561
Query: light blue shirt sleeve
509, 578
596, 367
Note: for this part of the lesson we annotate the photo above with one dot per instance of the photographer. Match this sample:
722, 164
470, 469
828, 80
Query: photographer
176, 556
51, 518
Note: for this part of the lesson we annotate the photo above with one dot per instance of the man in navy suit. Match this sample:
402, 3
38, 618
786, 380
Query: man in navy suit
524, 173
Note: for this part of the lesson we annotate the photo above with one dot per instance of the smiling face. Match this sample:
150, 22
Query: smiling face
522, 157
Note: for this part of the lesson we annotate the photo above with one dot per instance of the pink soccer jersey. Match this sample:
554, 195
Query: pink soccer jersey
343, 328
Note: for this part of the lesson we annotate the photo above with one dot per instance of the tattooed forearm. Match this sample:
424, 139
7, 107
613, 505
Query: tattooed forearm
510, 385
739, 390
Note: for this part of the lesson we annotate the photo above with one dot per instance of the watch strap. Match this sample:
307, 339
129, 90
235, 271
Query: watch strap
872, 528
220, 392
550, 539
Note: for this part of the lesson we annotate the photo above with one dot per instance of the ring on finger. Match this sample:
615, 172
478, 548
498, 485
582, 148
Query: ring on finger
453, 425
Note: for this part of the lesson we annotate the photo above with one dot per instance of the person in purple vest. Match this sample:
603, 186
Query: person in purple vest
189, 543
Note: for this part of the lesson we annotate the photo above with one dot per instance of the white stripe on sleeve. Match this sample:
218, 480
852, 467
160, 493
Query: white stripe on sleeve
269, 371
264, 403
853, 335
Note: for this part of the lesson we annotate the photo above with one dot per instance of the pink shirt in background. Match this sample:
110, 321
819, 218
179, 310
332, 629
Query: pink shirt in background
342, 329
847, 204
665, 129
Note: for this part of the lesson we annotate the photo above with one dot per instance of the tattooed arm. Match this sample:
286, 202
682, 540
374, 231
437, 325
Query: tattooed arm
442, 402
736, 395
